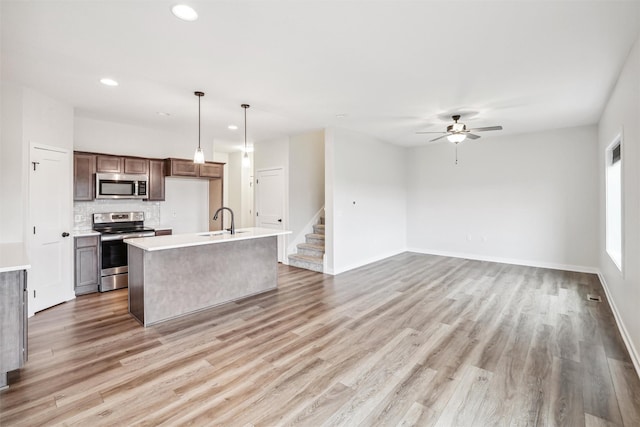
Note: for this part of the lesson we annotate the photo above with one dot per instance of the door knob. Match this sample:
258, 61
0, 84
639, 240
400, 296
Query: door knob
280, 220
65, 234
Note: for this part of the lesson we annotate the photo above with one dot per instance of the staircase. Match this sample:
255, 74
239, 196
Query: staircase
311, 253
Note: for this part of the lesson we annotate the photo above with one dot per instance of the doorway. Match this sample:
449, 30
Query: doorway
50, 243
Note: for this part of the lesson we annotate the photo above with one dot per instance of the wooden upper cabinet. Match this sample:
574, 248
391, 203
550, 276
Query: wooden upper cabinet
118, 164
211, 170
156, 180
84, 169
109, 164
136, 165
181, 167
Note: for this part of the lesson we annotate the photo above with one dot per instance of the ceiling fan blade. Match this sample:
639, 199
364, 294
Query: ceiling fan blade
440, 137
472, 136
486, 129
430, 132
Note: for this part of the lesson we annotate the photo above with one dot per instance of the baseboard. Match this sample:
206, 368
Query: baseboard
514, 261
623, 330
364, 262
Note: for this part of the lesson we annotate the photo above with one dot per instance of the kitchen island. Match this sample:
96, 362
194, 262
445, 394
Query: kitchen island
171, 276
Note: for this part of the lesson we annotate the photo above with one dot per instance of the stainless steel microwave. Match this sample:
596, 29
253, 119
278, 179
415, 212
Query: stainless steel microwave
121, 186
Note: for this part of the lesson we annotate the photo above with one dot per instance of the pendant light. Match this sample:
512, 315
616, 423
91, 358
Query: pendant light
198, 157
245, 159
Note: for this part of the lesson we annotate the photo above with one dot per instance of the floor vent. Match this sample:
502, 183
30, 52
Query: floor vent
596, 298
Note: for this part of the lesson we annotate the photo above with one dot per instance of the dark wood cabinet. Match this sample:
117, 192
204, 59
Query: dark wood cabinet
211, 170
86, 165
181, 167
84, 170
164, 232
156, 180
13, 328
87, 264
109, 164
136, 165
119, 164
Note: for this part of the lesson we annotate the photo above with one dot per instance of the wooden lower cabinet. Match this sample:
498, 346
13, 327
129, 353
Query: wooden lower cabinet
164, 232
87, 264
13, 322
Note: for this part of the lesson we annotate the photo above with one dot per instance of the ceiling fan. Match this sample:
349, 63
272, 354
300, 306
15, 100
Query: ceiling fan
458, 132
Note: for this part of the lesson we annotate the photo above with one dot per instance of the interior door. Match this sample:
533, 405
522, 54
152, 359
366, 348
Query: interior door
50, 245
270, 203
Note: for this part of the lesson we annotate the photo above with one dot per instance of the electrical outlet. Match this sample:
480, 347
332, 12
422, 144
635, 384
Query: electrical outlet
78, 218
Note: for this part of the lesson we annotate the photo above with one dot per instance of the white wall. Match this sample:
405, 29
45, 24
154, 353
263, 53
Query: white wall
186, 206
365, 199
27, 117
241, 189
306, 183
527, 199
13, 156
622, 114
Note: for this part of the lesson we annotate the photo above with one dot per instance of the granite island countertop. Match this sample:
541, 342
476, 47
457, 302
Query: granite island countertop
175, 241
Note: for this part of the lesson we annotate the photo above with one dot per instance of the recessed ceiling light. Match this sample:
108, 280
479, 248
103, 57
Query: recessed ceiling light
233, 127
184, 12
162, 113
108, 82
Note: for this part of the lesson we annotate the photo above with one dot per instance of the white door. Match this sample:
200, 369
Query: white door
50, 245
270, 203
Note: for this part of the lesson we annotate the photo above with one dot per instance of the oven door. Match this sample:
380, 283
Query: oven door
114, 265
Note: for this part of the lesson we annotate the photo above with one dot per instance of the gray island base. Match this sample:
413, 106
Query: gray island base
173, 282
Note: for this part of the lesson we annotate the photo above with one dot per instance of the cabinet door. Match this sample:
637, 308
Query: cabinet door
109, 164
84, 170
211, 170
180, 167
156, 180
136, 165
87, 257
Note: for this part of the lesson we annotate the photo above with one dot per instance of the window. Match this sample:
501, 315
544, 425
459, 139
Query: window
614, 201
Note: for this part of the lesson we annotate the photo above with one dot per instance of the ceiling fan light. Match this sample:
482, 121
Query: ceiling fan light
456, 137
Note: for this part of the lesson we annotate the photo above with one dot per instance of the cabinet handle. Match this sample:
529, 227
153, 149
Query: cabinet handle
65, 234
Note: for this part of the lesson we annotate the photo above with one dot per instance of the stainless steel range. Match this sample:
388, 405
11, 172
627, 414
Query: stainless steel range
114, 227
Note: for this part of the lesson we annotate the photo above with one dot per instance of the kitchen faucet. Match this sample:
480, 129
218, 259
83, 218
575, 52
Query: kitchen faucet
233, 226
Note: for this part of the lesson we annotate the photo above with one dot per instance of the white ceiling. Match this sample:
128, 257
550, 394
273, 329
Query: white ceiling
392, 67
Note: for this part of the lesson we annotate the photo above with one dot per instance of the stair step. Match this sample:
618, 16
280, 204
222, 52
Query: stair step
318, 228
315, 238
305, 261
310, 249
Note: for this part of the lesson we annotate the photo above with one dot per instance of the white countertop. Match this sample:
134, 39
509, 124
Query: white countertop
85, 233
13, 256
175, 241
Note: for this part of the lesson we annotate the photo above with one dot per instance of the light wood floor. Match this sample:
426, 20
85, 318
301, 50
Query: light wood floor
411, 340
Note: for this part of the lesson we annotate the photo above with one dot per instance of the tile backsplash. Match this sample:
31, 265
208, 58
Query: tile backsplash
83, 211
